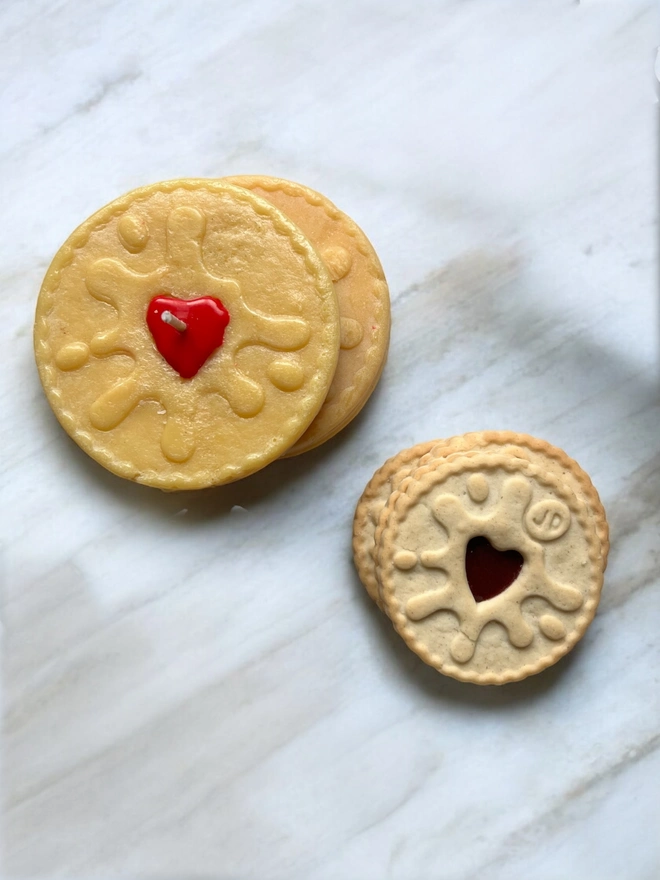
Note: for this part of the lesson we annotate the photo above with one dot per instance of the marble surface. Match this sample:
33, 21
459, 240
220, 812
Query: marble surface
195, 686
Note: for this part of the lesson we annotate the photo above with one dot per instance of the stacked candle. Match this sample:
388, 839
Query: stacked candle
191, 332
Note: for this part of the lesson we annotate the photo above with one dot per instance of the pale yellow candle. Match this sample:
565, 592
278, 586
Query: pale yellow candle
364, 304
236, 373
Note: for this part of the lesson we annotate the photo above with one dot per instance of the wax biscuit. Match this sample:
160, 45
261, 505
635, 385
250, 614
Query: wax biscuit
364, 305
187, 334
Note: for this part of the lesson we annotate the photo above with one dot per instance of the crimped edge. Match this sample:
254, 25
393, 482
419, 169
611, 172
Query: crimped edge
403, 500
363, 550
376, 354
476, 439
79, 238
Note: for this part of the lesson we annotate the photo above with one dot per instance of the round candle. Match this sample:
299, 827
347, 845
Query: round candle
187, 334
364, 304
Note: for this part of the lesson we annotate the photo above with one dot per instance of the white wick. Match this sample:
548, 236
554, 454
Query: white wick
173, 321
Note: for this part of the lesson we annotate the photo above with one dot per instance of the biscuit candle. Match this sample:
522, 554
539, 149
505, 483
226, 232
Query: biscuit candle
187, 334
364, 303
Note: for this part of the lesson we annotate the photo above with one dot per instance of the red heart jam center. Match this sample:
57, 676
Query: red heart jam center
187, 331
489, 571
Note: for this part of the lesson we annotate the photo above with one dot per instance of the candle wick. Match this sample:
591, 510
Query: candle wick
173, 321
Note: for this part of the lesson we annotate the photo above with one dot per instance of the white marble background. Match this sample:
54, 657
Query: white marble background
195, 686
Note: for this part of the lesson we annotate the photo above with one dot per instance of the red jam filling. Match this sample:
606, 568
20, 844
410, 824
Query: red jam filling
187, 349
490, 571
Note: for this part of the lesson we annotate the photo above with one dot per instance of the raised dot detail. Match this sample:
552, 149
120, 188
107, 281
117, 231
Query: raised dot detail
405, 560
285, 375
72, 356
552, 627
462, 648
133, 233
177, 441
338, 261
351, 333
477, 486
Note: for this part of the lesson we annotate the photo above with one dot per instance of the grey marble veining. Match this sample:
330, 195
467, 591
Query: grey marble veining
195, 685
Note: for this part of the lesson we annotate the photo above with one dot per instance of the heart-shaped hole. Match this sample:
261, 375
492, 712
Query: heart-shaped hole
489, 571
